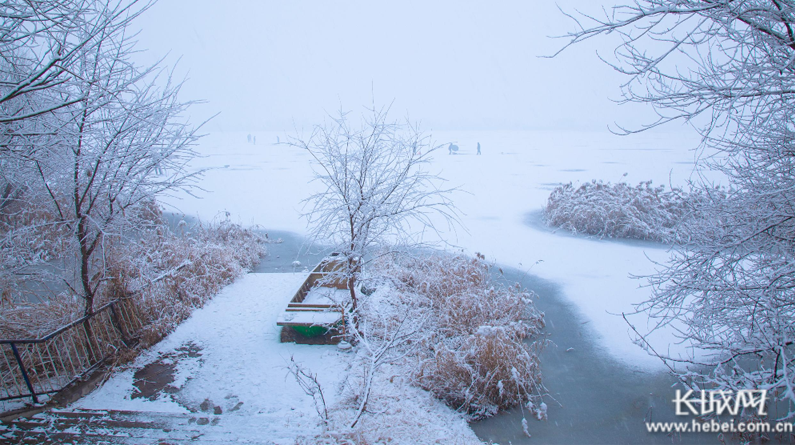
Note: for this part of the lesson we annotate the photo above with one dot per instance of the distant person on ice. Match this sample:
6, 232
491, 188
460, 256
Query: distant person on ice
452, 148
478, 147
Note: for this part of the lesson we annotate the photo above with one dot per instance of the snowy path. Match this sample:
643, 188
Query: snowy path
237, 371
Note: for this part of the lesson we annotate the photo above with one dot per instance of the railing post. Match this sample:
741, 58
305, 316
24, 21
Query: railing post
114, 318
89, 331
24, 373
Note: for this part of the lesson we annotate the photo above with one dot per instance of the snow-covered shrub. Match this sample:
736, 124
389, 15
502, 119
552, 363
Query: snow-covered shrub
164, 275
32, 297
160, 276
482, 373
433, 331
475, 353
29, 240
168, 275
31, 320
620, 210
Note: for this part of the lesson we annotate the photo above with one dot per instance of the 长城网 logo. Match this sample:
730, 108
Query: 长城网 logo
720, 402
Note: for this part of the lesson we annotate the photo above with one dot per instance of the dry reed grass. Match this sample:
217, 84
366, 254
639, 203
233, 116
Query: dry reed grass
169, 275
480, 351
620, 210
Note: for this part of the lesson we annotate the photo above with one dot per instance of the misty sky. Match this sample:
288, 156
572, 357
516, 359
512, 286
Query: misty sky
449, 64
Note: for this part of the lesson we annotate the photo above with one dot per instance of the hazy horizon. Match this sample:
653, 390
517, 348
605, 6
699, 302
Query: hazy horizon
450, 65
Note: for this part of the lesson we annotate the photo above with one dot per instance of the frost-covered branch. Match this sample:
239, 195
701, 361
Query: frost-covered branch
88, 139
727, 67
376, 186
310, 386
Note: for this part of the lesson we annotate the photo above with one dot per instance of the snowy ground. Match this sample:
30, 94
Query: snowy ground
229, 366
505, 189
241, 360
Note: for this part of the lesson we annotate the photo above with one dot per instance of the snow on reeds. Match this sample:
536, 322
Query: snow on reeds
467, 341
620, 211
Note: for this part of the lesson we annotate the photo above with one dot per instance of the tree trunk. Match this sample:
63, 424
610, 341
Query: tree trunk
85, 260
351, 288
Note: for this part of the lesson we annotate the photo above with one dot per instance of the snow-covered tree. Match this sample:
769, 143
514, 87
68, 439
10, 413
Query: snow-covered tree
107, 138
114, 150
40, 41
376, 187
727, 67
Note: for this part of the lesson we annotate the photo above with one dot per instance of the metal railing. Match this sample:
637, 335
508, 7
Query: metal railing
35, 367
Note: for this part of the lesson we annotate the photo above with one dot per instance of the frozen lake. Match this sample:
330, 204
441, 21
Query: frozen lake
587, 281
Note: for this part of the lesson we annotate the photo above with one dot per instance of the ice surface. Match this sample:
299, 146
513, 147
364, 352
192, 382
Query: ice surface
511, 178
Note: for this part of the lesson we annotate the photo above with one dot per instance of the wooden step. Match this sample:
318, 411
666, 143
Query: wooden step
308, 318
310, 305
106, 427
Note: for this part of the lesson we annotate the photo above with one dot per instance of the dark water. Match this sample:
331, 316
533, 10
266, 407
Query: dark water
594, 399
292, 247
283, 250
